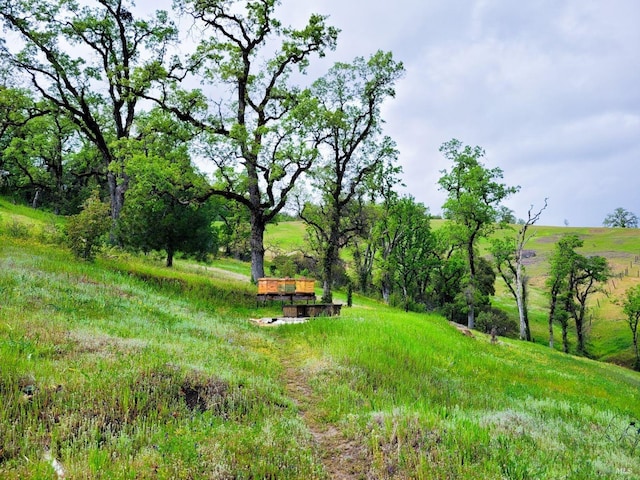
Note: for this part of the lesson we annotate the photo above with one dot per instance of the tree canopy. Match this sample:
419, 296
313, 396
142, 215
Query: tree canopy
621, 218
353, 150
572, 279
474, 196
255, 133
93, 63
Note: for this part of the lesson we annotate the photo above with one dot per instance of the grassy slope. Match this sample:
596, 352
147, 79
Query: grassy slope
285, 237
610, 338
124, 369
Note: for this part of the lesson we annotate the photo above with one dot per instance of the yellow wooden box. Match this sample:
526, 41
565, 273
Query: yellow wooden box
304, 285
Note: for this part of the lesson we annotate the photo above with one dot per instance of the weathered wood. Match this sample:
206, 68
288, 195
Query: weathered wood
289, 297
311, 310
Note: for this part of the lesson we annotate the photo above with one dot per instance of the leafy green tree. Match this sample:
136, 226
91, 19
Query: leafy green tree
572, 279
86, 230
94, 63
588, 273
37, 156
256, 134
561, 264
15, 111
234, 228
621, 218
162, 210
474, 194
365, 248
448, 276
353, 151
411, 258
377, 238
631, 308
496, 321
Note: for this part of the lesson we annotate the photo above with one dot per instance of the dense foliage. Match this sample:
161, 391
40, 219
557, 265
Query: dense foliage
474, 196
573, 278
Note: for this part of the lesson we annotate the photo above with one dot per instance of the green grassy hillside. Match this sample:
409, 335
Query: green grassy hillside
124, 369
610, 337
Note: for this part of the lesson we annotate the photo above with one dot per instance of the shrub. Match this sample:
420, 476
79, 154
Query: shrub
284, 266
17, 229
86, 231
51, 234
290, 265
494, 317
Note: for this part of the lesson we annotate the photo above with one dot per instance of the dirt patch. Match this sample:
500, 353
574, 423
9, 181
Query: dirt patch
207, 394
463, 329
221, 273
276, 322
342, 458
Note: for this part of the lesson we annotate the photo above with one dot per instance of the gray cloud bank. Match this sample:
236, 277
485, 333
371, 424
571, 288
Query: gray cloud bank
550, 89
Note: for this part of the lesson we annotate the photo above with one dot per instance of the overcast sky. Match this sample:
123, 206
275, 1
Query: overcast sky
549, 88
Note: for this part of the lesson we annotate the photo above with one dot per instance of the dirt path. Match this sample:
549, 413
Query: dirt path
342, 459
222, 273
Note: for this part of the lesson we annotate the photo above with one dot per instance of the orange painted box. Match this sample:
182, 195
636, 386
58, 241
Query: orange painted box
268, 285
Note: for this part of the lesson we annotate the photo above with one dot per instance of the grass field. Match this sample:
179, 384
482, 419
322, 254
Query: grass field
609, 338
123, 369
285, 237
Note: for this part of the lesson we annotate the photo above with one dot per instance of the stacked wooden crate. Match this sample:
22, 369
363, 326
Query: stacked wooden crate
286, 289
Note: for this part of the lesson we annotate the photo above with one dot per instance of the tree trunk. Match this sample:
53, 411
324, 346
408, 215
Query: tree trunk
386, 288
525, 311
552, 313
327, 291
471, 293
579, 319
36, 199
520, 298
117, 188
580, 336
170, 253
330, 258
565, 338
331, 254
256, 243
471, 322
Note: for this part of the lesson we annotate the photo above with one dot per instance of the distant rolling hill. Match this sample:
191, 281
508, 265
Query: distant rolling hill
610, 337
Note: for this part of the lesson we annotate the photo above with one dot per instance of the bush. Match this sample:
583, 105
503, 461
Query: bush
488, 319
293, 264
85, 231
18, 229
51, 234
284, 266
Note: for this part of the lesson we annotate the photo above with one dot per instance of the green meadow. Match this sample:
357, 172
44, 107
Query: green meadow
124, 369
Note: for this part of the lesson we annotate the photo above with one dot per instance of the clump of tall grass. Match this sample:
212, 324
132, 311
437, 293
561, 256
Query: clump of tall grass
17, 229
